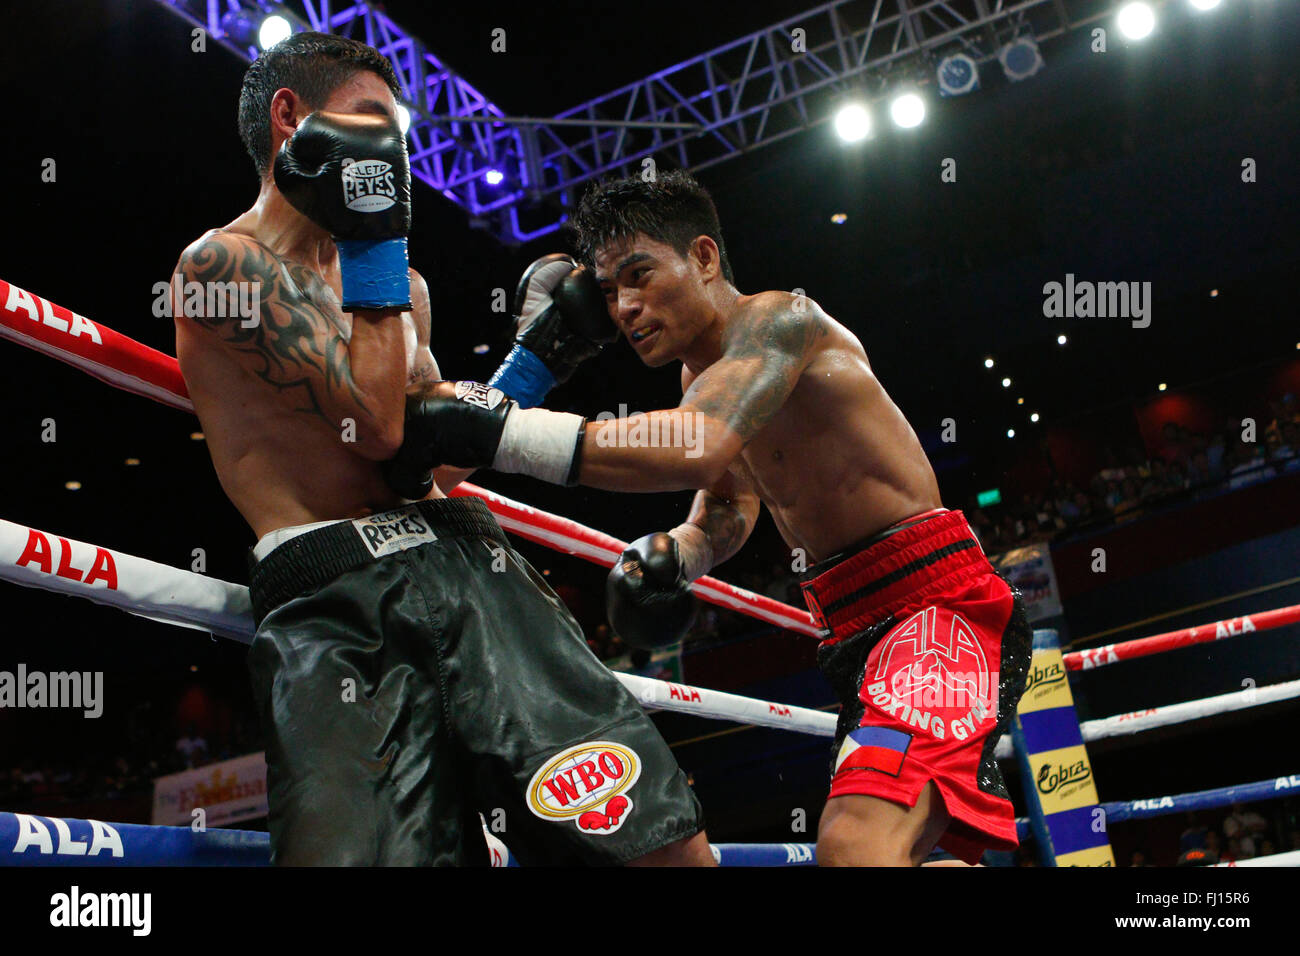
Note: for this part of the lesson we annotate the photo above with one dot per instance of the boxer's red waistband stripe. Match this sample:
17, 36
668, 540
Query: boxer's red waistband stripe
897, 575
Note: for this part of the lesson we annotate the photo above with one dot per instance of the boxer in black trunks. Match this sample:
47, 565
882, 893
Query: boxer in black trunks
411, 669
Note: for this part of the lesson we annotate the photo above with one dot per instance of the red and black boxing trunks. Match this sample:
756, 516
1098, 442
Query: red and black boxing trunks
411, 671
928, 651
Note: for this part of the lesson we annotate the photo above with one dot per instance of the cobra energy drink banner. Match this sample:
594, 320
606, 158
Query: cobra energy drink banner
1059, 790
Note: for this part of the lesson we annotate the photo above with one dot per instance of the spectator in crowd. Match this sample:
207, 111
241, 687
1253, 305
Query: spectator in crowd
1215, 453
1176, 444
1198, 470
1287, 443
1156, 483
1111, 470
1194, 836
1129, 499
1177, 480
1114, 496
1233, 853
1285, 411
782, 585
599, 641
980, 525
1246, 463
705, 630
192, 748
1244, 826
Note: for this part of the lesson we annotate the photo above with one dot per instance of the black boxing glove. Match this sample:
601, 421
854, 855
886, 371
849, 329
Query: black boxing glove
472, 425
647, 596
349, 174
561, 321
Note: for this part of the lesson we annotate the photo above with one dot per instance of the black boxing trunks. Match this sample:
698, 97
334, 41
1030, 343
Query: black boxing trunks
412, 671
928, 651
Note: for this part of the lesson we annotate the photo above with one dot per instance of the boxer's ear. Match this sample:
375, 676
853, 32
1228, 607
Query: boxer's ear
287, 111
708, 258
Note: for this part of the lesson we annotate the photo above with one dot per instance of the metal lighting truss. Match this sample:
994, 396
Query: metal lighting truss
753, 91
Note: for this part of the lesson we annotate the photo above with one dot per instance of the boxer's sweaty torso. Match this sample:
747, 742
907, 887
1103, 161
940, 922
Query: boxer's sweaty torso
284, 464
838, 462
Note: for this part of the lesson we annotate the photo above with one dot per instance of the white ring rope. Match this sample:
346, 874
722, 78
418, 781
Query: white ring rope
1138, 721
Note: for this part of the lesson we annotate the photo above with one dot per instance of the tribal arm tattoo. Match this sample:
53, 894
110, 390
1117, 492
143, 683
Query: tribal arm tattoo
761, 363
299, 342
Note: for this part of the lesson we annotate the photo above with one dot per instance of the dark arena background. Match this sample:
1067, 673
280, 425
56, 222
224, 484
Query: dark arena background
1135, 474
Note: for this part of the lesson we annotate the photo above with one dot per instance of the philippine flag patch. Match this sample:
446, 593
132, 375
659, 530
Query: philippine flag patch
873, 748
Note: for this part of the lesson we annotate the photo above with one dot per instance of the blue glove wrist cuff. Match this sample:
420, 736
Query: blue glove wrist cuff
374, 273
523, 377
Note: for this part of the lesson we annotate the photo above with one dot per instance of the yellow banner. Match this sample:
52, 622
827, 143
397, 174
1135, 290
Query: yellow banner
1046, 685
1063, 779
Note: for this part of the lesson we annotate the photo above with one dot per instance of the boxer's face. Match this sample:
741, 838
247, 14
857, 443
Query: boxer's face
363, 92
656, 296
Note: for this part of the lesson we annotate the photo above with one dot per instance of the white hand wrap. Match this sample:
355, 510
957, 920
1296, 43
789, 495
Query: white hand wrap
694, 548
539, 443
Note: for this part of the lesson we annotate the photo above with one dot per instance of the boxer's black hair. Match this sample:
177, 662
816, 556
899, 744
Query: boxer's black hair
672, 208
313, 65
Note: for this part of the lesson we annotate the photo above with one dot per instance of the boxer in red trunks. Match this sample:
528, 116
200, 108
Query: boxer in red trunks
927, 646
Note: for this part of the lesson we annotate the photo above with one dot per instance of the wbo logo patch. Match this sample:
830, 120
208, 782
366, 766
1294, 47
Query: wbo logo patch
588, 784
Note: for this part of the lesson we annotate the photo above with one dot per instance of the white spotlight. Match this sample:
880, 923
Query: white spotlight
853, 122
988, 363
1205, 4
272, 31
1136, 21
403, 118
1061, 340
1006, 383
1011, 433
1034, 417
907, 110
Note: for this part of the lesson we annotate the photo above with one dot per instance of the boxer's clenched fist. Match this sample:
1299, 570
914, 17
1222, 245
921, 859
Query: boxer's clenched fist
350, 175
472, 425
647, 595
561, 321
561, 314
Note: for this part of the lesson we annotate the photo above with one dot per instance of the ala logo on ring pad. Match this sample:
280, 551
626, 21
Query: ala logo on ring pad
587, 784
